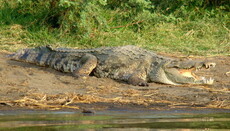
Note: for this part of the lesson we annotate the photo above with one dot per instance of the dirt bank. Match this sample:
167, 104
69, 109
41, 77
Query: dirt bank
30, 86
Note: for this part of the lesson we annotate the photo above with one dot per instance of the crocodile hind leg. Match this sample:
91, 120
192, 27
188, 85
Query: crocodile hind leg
86, 65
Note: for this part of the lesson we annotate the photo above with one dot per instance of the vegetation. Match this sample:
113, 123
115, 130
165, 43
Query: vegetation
197, 27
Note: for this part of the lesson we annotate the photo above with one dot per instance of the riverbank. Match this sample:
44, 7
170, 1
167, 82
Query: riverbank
29, 86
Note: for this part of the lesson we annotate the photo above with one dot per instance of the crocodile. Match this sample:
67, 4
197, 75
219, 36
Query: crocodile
132, 64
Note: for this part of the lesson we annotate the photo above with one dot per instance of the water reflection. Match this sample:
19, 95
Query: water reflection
155, 120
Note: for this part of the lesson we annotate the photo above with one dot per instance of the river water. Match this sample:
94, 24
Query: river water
167, 120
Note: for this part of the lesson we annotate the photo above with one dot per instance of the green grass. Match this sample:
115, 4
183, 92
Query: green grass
210, 39
204, 36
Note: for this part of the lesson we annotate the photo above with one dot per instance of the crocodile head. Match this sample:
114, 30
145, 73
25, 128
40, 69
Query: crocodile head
181, 72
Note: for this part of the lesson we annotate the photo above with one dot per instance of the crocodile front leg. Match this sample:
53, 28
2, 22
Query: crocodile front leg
86, 65
138, 79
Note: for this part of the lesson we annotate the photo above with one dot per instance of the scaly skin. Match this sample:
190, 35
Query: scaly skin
129, 63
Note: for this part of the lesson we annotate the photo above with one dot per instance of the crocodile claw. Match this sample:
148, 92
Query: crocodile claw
143, 84
137, 81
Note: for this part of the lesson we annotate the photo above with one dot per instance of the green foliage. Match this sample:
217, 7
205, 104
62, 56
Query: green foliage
85, 16
187, 26
193, 9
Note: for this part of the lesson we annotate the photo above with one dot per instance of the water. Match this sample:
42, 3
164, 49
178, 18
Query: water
171, 120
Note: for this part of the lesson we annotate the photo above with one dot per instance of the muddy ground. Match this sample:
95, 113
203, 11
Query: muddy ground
24, 85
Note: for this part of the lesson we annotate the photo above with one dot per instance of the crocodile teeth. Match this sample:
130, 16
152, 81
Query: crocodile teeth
209, 65
198, 68
208, 81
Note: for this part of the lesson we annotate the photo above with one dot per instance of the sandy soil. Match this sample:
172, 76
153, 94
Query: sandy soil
29, 86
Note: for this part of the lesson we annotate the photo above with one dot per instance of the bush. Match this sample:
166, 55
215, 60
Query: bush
85, 16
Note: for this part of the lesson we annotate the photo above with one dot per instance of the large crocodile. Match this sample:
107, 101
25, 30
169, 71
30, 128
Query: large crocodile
129, 63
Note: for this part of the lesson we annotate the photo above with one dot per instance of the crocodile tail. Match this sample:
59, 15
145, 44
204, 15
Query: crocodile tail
37, 55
